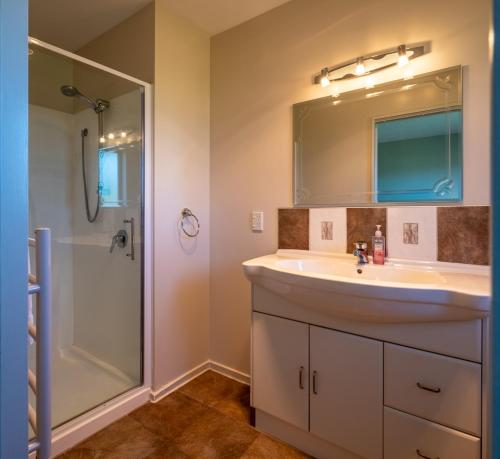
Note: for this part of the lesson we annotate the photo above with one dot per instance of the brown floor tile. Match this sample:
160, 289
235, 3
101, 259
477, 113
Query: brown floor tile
78, 453
265, 447
170, 416
211, 388
208, 418
215, 435
237, 407
124, 433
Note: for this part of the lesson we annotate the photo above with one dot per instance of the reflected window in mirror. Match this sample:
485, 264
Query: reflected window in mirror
419, 158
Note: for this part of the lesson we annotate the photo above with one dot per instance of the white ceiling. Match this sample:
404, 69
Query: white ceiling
215, 16
71, 24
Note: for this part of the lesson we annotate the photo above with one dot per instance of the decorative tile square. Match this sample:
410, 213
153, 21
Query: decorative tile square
293, 229
361, 225
412, 233
327, 230
464, 234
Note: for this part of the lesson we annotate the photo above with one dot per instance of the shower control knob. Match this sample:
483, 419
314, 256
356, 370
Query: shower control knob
120, 239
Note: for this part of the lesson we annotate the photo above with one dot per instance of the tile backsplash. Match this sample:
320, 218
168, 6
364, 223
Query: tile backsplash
452, 234
361, 223
463, 234
293, 229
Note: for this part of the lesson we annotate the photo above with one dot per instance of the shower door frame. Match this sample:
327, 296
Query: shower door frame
74, 431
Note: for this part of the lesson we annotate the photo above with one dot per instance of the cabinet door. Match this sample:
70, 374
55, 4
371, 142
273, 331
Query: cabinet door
347, 391
280, 358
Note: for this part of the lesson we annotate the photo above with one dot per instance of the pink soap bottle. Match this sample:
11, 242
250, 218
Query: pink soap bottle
378, 243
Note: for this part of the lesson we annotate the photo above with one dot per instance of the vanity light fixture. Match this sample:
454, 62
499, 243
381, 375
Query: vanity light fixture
400, 56
102, 140
325, 81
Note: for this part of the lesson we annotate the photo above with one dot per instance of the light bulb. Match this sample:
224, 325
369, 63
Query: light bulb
403, 56
111, 136
123, 134
360, 67
102, 140
325, 81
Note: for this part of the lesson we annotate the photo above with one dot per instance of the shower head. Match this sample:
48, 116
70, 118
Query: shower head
98, 105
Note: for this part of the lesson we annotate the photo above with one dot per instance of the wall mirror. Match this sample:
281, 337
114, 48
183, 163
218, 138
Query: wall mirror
397, 142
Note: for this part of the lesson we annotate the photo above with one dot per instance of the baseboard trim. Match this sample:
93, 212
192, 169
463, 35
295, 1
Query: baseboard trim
157, 395
230, 372
171, 386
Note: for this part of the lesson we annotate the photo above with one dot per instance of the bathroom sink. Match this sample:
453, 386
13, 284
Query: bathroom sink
399, 291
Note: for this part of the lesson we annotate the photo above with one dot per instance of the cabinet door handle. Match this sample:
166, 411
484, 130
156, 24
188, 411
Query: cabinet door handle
435, 390
301, 378
420, 454
315, 382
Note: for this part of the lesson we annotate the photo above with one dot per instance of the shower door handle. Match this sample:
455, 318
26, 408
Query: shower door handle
132, 237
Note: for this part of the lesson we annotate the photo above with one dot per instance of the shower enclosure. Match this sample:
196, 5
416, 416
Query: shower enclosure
86, 183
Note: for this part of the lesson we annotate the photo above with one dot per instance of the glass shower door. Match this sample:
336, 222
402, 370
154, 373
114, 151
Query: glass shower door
86, 184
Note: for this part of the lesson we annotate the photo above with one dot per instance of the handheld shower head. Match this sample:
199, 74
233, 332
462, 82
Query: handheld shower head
98, 105
69, 91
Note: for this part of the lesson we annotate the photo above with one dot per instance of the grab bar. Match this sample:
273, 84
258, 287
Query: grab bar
40, 383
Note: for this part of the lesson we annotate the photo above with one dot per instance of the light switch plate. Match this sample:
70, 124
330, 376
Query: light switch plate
257, 220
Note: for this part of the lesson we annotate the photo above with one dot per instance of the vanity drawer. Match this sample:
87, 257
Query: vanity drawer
442, 389
409, 437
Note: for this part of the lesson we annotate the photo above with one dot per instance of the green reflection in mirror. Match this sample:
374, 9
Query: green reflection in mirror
419, 158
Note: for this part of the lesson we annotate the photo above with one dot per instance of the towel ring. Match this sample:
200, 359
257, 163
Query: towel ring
186, 214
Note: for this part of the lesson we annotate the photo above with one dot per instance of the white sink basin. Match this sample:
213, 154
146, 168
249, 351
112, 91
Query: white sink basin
399, 291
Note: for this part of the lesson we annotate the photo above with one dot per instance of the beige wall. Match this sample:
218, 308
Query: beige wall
128, 47
181, 177
261, 68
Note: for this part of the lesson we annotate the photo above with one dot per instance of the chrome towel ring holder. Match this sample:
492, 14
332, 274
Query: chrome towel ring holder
192, 219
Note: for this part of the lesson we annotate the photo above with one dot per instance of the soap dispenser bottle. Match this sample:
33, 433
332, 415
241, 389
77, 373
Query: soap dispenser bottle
378, 243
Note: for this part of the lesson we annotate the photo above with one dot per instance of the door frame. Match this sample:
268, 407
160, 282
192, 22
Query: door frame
13, 228
495, 243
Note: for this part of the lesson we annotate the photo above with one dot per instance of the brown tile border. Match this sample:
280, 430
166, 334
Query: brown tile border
361, 223
464, 234
293, 229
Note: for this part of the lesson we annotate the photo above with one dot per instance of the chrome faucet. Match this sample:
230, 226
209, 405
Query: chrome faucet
360, 251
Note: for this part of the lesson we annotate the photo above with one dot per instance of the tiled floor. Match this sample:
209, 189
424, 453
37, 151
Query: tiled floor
207, 418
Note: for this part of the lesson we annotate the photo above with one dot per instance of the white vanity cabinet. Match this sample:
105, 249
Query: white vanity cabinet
319, 380
280, 368
340, 389
346, 391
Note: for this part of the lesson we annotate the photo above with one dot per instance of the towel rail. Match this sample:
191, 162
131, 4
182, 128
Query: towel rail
40, 285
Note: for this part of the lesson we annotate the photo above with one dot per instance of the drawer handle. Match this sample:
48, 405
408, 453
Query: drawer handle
420, 454
315, 382
301, 378
435, 390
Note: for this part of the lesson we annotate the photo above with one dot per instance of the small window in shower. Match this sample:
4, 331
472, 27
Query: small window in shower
112, 172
